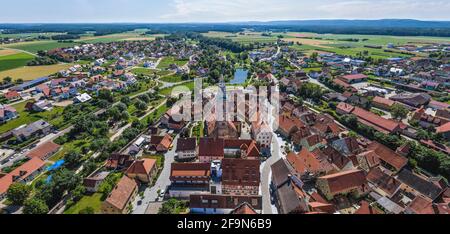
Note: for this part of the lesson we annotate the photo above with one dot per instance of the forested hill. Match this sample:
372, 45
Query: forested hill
397, 27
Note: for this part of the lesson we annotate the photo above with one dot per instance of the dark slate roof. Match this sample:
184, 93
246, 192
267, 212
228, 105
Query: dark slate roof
419, 184
185, 144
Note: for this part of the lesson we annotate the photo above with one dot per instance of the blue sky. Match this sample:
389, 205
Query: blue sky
217, 10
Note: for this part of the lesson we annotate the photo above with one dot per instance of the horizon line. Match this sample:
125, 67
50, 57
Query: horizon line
229, 22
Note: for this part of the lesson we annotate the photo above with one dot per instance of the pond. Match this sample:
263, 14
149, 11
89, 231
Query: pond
240, 76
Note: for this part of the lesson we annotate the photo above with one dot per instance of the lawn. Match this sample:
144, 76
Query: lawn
169, 91
94, 201
33, 72
172, 79
69, 146
14, 61
35, 46
149, 72
166, 62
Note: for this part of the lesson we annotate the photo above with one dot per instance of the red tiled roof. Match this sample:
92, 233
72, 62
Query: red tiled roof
389, 156
122, 193
12, 94
43, 150
27, 169
305, 161
354, 77
345, 180
375, 121
143, 167
190, 169
383, 101
211, 147
346, 108
444, 128
244, 209
383, 181
245, 172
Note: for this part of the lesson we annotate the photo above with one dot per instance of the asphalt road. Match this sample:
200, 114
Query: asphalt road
151, 194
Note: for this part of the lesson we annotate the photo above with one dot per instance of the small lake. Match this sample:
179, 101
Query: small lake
240, 76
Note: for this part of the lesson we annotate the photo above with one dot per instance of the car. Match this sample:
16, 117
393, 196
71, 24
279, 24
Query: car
139, 202
162, 193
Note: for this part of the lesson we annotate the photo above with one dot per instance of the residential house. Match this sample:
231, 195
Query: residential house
34, 129
186, 148
121, 198
119, 161
44, 151
379, 154
144, 170
419, 185
12, 95
221, 204
39, 106
189, 178
444, 130
412, 99
23, 174
305, 162
210, 149
289, 125
82, 98
284, 188
343, 183
161, 143
383, 183
7, 113
353, 78
93, 183
240, 176
379, 123
244, 209
344, 108
382, 103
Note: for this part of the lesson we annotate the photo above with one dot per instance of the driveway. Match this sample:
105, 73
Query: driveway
151, 194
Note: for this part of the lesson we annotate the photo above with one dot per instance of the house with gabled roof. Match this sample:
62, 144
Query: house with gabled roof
342, 183
144, 170
122, 196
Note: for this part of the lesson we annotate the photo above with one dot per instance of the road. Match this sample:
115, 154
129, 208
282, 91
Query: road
151, 194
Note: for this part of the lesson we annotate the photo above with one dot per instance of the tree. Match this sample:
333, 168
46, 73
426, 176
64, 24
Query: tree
398, 111
105, 94
35, 206
140, 105
144, 98
121, 106
125, 116
72, 159
7, 80
126, 100
17, 193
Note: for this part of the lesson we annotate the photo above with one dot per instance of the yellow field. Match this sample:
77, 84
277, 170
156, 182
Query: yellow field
30, 73
4, 52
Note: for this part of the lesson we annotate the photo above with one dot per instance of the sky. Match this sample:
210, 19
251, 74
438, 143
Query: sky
175, 11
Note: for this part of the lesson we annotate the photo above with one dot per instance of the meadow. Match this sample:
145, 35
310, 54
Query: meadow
14, 61
244, 38
35, 46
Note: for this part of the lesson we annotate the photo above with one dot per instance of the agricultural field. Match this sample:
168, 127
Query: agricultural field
33, 72
245, 38
14, 61
5, 52
28, 35
35, 46
128, 36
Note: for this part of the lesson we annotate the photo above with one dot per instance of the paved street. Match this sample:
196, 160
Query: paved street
151, 194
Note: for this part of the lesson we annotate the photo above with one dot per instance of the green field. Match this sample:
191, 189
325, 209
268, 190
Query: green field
168, 91
94, 201
172, 79
35, 46
149, 72
245, 38
14, 61
166, 62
